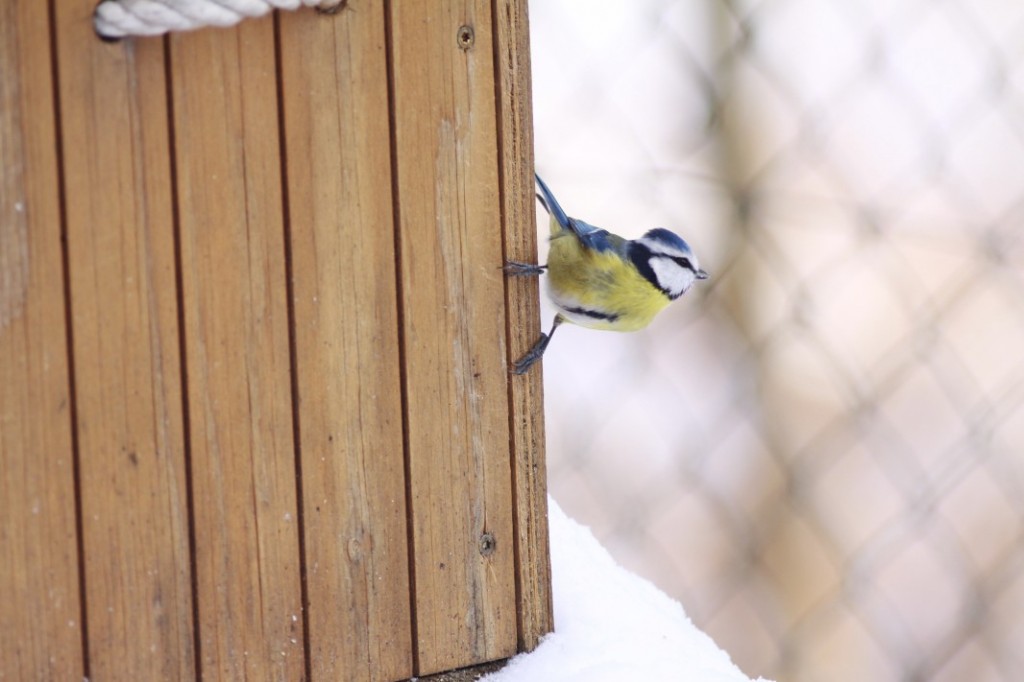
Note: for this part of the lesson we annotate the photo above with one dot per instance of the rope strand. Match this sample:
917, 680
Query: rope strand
115, 19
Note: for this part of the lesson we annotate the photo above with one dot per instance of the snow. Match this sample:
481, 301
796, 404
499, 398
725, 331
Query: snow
611, 625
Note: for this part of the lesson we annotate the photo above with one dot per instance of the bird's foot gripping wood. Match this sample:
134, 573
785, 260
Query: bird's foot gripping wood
537, 350
533, 355
517, 269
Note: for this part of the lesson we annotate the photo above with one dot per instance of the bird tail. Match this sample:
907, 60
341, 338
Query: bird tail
552, 206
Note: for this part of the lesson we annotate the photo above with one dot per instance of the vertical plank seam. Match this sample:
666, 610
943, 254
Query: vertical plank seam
400, 303
292, 349
509, 349
69, 334
186, 423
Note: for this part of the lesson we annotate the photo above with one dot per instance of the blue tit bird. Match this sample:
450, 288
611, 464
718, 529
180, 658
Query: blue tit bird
600, 280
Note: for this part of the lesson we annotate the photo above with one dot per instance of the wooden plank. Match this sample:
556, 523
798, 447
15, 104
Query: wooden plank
529, 472
334, 78
126, 353
453, 317
40, 629
231, 226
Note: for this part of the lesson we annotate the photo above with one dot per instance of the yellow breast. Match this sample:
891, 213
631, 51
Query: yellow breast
598, 289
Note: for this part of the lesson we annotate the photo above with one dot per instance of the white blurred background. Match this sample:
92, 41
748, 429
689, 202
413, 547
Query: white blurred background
820, 451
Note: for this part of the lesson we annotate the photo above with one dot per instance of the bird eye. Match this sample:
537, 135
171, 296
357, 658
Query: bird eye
683, 262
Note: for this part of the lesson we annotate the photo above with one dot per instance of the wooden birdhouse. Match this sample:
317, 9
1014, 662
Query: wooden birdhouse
256, 419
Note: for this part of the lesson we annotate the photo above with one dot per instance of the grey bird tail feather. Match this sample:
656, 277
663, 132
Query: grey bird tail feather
591, 236
551, 204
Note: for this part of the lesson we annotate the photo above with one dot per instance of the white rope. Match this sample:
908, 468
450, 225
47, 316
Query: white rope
120, 18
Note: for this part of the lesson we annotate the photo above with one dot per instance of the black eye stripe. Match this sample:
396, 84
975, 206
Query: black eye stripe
682, 261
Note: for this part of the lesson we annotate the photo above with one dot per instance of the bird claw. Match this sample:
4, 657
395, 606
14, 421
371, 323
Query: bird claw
517, 269
531, 356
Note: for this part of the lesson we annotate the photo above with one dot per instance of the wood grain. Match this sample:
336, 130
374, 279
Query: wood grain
526, 399
237, 353
126, 353
385, 215
453, 324
40, 628
334, 77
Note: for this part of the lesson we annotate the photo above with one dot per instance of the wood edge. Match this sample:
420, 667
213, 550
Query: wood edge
526, 418
469, 674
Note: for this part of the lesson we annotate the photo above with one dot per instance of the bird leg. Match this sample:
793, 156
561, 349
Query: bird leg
537, 350
517, 269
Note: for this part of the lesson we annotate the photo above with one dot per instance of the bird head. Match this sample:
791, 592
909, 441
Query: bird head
667, 261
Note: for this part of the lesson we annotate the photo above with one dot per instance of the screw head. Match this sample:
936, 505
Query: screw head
488, 544
465, 37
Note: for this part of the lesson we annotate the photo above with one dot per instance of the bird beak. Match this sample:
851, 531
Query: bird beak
702, 274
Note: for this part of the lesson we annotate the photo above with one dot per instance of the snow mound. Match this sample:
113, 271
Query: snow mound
613, 626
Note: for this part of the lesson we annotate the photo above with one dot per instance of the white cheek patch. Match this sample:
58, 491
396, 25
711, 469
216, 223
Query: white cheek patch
672, 278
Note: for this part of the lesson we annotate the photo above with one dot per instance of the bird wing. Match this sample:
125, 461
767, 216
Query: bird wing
590, 236
595, 238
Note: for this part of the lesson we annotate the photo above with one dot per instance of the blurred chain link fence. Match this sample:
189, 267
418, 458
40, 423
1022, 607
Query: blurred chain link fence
821, 451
